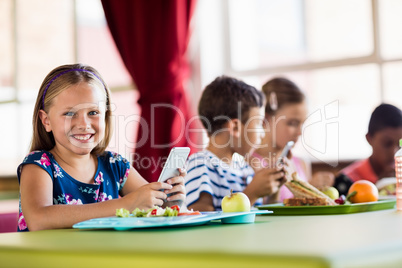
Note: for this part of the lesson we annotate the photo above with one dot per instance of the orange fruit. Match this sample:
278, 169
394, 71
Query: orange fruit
366, 191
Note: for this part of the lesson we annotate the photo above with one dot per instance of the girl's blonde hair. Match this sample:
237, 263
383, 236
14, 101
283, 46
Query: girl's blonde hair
56, 82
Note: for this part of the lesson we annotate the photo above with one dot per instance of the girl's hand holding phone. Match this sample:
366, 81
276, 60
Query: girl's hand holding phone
156, 193
178, 191
147, 196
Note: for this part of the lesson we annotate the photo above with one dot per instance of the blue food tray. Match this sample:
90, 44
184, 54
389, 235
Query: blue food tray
122, 224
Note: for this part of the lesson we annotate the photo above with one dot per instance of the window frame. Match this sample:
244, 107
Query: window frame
374, 58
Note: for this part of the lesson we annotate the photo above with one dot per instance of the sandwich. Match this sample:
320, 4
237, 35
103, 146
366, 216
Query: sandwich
305, 194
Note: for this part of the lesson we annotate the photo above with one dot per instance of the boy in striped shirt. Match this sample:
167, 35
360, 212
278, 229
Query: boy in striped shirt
232, 113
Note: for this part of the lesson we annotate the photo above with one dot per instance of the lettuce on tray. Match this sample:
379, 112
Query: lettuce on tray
152, 212
123, 213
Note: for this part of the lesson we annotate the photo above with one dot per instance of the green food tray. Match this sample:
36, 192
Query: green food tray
280, 209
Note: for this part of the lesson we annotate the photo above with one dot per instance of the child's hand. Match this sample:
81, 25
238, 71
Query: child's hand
178, 192
285, 167
266, 182
137, 193
147, 196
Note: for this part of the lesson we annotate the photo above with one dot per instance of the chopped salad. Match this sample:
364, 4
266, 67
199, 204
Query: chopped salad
154, 212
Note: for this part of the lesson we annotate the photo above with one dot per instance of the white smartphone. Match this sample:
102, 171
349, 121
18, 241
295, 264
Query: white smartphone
285, 152
176, 159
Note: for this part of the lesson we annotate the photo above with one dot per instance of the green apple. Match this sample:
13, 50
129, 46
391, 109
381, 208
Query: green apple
235, 202
332, 192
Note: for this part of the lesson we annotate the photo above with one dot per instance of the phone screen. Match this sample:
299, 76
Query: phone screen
285, 152
176, 159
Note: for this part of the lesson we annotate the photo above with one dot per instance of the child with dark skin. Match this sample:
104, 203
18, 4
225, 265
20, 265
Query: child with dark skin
384, 133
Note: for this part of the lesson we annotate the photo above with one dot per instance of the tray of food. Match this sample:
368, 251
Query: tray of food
308, 200
281, 209
387, 187
158, 218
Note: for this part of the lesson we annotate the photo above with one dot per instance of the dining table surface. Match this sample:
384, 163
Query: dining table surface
367, 239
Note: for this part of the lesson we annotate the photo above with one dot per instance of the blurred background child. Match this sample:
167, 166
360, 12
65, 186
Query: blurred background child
285, 112
384, 132
232, 113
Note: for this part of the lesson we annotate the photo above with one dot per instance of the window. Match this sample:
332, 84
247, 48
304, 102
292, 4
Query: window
345, 55
33, 44
36, 37
95, 46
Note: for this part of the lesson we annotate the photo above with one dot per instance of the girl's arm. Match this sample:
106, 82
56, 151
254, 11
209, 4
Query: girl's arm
39, 212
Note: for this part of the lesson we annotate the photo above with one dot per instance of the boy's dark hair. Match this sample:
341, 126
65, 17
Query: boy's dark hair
384, 116
227, 98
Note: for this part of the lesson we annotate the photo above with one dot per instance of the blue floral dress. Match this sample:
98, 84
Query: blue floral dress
110, 178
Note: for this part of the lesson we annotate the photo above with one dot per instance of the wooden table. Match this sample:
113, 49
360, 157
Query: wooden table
370, 239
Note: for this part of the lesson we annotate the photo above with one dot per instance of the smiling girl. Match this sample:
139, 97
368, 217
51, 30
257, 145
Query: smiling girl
69, 177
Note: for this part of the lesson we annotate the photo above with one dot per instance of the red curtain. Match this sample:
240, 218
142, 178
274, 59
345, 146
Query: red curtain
152, 38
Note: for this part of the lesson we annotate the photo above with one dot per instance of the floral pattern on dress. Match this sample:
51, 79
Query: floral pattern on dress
104, 197
71, 201
122, 179
126, 175
44, 160
60, 199
22, 225
112, 170
99, 178
31, 153
114, 157
87, 190
96, 194
57, 172
66, 199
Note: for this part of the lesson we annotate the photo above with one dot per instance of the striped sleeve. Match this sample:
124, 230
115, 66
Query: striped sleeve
197, 180
206, 175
